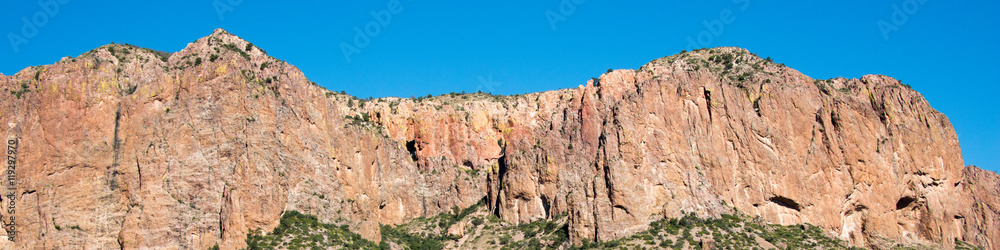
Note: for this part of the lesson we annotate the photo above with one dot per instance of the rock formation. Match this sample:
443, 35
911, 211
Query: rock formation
126, 147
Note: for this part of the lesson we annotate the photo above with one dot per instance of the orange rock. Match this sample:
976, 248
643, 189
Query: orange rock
121, 149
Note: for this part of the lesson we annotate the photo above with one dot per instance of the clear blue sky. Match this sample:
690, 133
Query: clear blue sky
947, 50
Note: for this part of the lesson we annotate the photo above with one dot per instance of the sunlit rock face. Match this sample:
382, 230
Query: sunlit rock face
123, 147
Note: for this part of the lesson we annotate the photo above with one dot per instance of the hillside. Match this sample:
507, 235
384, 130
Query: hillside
125, 147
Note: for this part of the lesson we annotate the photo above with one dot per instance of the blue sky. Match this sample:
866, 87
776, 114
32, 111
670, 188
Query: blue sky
947, 50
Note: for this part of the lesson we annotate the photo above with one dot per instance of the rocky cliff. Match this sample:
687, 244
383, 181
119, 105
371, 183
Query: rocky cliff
132, 148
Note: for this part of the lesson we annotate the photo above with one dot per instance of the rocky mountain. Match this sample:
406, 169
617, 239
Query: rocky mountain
125, 147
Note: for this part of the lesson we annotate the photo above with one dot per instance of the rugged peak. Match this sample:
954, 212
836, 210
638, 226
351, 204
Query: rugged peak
220, 31
716, 59
223, 35
221, 44
222, 49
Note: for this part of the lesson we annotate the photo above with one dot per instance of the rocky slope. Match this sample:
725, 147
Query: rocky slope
126, 147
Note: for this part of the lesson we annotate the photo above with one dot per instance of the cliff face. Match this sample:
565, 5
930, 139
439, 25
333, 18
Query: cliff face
121, 148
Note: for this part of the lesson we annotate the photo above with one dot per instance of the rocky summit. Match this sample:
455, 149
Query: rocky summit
220, 144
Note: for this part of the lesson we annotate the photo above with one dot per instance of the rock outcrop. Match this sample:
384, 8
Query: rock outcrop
127, 147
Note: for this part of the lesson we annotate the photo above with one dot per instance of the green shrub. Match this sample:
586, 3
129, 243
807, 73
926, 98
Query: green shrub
301, 230
232, 47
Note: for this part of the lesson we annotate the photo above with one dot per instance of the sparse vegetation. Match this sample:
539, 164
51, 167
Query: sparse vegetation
905, 85
482, 229
24, 89
129, 89
301, 231
234, 48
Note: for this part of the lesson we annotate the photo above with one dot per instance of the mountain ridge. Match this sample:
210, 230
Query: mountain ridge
234, 137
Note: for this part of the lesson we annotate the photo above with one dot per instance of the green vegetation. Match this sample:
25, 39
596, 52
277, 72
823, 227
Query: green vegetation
300, 231
265, 83
162, 55
736, 66
478, 227
905, 85
18, 93
129, 89
727, 232
234, 48
962, 245
822, 85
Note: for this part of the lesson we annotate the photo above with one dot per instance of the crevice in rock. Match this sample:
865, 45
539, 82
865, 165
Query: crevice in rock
756, 107
623, 209
835, 121
708, 102
785, 202
879, 108
905, 202
138, 170
116, 151
546, 206
412, 148
819, 119
222, 208
609, 186
501, 173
